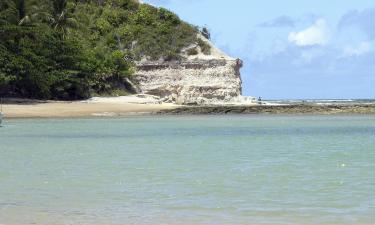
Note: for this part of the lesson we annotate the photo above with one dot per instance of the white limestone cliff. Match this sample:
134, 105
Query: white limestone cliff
196, 80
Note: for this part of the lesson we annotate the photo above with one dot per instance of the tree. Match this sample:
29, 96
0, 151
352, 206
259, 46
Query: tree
21, 12
12, 11
69, 49
62, 19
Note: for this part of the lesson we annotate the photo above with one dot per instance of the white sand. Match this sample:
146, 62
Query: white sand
115, 106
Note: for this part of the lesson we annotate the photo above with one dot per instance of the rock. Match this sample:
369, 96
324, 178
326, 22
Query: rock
197, 80
310, 109
191, 82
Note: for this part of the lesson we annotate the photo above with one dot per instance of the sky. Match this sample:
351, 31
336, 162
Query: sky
292, 49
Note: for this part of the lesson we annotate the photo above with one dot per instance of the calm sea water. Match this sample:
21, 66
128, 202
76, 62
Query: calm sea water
299, 170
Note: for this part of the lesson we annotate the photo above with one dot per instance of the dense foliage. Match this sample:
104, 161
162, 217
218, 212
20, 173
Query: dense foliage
72, 49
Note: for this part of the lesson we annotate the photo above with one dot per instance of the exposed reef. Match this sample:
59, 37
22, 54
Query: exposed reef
313, 109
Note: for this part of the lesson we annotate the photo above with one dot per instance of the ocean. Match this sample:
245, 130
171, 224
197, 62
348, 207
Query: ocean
323, 101
189, 170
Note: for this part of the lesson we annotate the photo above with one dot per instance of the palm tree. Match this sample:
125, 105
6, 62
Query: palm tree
62, 18
12, 11
20, 12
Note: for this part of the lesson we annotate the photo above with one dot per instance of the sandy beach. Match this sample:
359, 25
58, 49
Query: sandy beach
90, 108
130, 105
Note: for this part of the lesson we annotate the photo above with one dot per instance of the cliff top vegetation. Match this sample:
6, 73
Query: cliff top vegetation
73, 49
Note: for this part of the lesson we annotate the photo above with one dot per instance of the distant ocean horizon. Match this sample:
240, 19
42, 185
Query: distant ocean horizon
322, 101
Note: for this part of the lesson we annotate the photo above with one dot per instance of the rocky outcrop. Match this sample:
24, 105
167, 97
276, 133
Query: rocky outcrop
199, 79
310, 109
203, 78
192, 81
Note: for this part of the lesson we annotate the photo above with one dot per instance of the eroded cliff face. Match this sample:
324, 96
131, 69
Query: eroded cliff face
196, 80
210, 81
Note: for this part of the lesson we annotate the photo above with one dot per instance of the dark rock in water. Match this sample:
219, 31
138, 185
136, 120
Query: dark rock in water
276, 109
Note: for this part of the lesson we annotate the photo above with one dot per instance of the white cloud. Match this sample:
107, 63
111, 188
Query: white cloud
362, 49
317, 34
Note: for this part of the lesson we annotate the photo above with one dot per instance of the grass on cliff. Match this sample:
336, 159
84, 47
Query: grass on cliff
73, 49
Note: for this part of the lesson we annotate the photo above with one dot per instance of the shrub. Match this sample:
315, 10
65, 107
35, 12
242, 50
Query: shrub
86, 54
192, 51
205, 48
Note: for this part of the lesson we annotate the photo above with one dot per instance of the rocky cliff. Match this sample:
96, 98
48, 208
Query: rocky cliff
212, 78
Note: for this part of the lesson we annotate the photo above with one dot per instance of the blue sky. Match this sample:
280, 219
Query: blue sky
292, 48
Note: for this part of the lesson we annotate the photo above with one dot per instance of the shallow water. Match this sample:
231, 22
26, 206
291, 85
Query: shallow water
188, 170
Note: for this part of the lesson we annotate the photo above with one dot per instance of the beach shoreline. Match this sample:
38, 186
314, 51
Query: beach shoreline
71, 109
132, 105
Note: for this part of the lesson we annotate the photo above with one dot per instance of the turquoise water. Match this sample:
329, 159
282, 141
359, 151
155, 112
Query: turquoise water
298, 170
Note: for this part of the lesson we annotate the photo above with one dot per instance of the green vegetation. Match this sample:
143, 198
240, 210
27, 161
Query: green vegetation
192, 51
205, 48
74, 49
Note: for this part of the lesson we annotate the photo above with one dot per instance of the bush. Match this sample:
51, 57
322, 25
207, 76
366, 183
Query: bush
85, 55
192, 51
205, 48
37, 62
